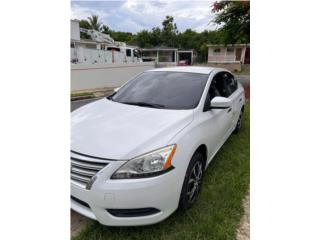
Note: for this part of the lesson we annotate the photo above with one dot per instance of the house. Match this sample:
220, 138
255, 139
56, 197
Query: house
167, 56
230, 53
99, 48
75, 30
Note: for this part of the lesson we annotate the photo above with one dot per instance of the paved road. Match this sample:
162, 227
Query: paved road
77, 104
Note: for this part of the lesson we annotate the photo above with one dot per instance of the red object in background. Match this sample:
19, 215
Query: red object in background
247, 91
183, 63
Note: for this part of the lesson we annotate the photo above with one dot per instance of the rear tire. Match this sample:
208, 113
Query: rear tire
192, 182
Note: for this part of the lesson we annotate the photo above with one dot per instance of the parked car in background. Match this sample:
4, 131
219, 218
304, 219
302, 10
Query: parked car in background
183, 63
140, 154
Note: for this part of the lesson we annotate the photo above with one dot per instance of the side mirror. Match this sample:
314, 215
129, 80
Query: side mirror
116, 89
220, 103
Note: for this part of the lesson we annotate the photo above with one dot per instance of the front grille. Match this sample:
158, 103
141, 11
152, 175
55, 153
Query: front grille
83, 169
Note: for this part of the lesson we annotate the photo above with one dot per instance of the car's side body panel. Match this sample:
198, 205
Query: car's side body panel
211, 128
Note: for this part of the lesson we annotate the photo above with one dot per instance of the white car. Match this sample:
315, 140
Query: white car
139, 154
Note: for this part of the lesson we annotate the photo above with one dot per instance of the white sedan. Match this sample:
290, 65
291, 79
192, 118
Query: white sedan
140, 154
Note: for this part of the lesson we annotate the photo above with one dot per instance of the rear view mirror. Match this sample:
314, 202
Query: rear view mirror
220, 103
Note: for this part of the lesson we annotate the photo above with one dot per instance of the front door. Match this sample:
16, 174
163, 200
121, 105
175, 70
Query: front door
218, 120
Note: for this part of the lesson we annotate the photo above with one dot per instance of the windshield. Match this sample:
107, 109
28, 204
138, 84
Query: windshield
168, 90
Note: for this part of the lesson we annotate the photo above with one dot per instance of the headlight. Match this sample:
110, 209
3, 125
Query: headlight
148, 165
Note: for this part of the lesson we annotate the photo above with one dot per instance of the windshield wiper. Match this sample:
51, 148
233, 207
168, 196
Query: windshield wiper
144, 104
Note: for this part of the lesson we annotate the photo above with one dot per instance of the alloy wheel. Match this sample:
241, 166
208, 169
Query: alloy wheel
194, 182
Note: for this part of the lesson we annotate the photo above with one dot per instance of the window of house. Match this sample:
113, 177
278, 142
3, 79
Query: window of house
217, 50
230, 50
128, 52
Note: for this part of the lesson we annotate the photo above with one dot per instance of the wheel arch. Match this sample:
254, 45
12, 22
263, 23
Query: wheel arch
202, 149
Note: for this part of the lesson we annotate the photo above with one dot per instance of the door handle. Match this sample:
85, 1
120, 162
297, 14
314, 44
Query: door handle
240, 99
229, 110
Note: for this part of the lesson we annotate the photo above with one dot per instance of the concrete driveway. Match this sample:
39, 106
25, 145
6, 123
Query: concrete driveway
80, 103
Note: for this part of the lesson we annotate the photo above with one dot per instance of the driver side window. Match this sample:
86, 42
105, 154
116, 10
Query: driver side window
212, 92
223, 84
226, 84
231, 83
220, 86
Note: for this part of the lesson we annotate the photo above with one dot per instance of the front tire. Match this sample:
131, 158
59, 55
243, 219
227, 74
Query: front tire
192, 182
239, 122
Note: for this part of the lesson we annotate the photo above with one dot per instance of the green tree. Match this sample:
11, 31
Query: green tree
95, 23
155, 37
203, 53
106, 29
122, 36
143, 39
84, 24
169, 32
235, 19
188, 39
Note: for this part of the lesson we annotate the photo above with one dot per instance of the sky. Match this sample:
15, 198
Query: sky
136, 15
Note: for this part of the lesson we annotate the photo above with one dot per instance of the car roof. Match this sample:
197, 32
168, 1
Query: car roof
189, 69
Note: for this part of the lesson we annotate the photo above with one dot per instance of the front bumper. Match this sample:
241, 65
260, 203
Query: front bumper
160, 192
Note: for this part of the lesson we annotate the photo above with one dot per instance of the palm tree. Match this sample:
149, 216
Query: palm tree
95, 23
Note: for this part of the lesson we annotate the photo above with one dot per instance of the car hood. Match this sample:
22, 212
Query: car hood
119, 131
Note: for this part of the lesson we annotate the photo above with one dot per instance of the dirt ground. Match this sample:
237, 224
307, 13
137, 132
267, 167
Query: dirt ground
243, 232
78, 223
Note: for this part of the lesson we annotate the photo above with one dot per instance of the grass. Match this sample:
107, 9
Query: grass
218, 210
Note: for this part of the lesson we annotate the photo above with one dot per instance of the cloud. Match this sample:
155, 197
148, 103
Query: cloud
136, 15
80, 12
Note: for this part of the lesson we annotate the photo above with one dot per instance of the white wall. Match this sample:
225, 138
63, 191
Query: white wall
75, 30
92, 76
87, 56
